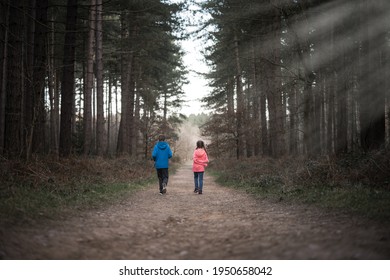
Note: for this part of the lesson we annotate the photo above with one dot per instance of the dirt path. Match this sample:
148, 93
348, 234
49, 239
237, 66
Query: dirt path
220, 224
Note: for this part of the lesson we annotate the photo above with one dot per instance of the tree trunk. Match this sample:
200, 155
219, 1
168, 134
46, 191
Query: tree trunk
137, 114
14, 84
99, 79
386, 64
293, 108
130, 105
39, 76
240, 99
87, 121
248, 113
372, 94
342, 92
310, 119
274, 92
263, 100
256, 102
53, 91
122, 132
67, 85
127, 102
341, 145
28, 100
230, 97
109, 115
3, 71
331, 126
51, 88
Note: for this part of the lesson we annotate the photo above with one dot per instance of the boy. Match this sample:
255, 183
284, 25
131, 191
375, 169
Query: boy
161, 155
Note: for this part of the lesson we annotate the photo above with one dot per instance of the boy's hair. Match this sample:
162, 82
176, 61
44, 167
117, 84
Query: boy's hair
161, 138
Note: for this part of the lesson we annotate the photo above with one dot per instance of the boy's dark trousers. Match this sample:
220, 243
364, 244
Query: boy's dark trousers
162, 174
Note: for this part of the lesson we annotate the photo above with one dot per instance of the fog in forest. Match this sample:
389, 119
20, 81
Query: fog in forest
189, 134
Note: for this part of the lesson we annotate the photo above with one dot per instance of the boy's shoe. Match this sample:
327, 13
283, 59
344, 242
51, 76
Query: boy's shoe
200, 192
196, 190
164, 190
161, 193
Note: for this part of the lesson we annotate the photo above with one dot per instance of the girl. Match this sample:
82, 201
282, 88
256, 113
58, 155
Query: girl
200, 160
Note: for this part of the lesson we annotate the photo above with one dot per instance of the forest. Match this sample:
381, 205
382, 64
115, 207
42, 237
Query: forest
290, 79
88, 77
296, 124
298, 77
102, 78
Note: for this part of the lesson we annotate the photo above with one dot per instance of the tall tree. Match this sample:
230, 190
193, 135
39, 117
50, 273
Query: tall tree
99, 79
87, 119
68, 80
372, 91
274, 93
4, 36
36, 128
13, 130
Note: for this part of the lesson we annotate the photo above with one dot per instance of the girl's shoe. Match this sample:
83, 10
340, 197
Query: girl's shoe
196, 190
199, 192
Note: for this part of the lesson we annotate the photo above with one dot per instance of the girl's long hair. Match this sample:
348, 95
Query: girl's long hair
200, 145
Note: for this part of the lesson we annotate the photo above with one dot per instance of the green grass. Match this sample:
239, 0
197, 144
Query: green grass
55, 189
346, 197
27, 204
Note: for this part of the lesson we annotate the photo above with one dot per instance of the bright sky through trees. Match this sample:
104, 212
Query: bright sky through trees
197, 87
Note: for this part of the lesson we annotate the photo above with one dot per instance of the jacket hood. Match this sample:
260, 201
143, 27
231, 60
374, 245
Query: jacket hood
162, 145
200, 152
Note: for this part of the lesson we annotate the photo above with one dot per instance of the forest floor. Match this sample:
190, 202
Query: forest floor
222, 223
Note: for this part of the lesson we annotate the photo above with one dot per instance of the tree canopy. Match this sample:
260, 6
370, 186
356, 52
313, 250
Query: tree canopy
298, 77
100, 77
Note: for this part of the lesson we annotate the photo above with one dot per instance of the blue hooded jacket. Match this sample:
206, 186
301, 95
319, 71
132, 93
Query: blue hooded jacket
161, 153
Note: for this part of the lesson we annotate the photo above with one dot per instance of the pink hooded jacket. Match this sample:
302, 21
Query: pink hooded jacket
200, 159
